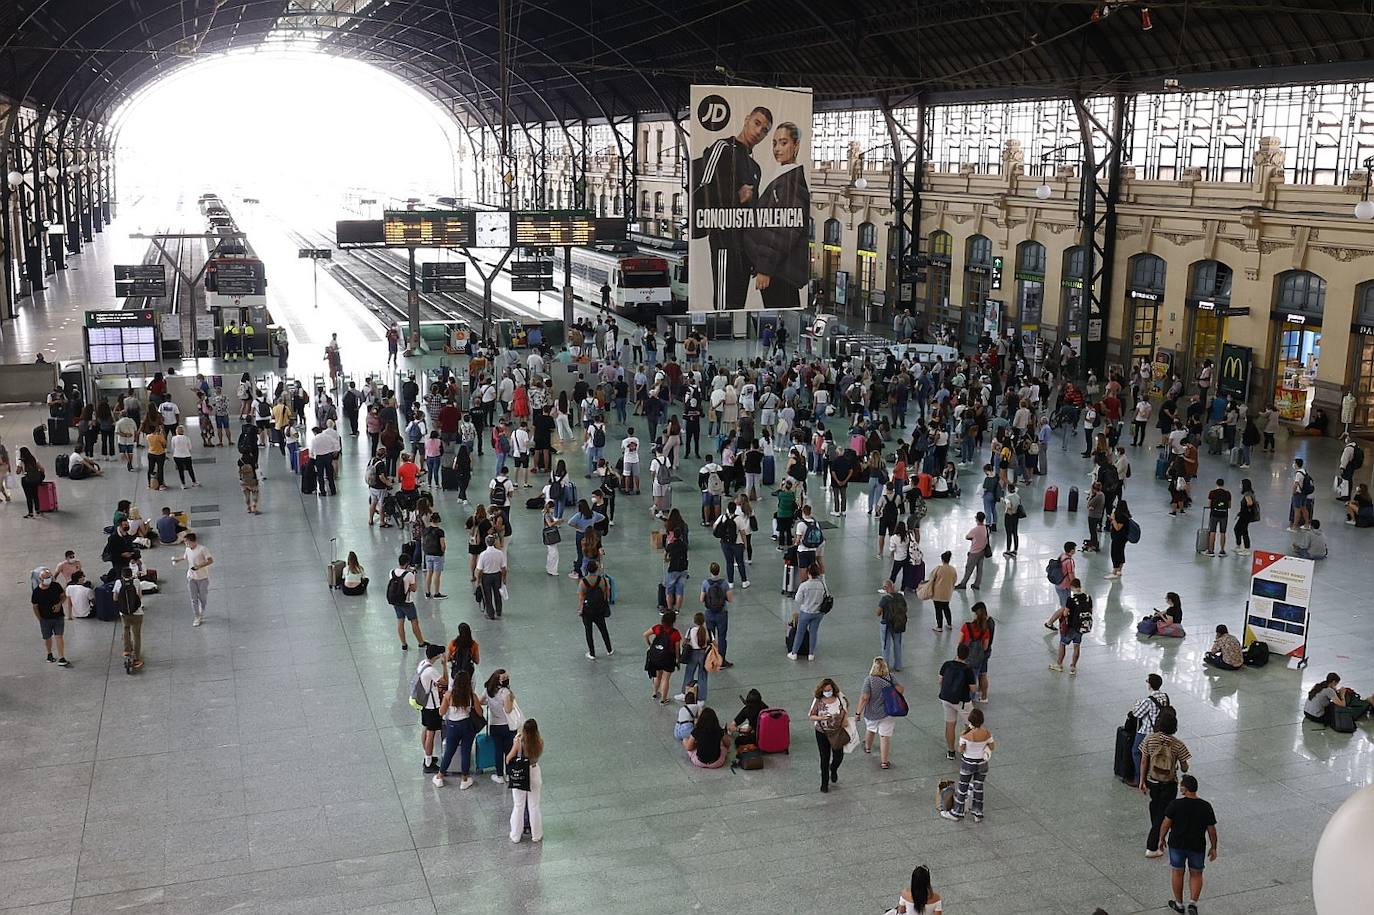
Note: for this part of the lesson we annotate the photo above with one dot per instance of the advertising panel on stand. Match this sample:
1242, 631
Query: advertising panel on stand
1280, 601
751, 154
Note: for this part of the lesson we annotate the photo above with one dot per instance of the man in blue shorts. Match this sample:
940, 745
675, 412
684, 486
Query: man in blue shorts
1189, 827
400, 594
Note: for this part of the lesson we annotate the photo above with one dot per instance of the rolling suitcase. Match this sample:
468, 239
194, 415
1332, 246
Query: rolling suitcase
1123, 767
47, 496
105, 608
1073, 498
333, 574
662, 597
1234, 458
912, 576
769, 471
59, 433
925, 483
40, 435
63, 464
484, 753
775, 731
789, 579
448, 478
308, 477
1201, 544
1051, 498
1162, 466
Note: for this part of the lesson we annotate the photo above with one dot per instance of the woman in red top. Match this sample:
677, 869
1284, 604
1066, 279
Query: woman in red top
408, 474
977, 634
661, 659
520, 406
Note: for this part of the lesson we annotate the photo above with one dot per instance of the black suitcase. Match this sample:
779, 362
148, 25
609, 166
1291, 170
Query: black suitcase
448, 478
308, 477
1073, 498
59, 432
105, 608
534, 502
62, 464
1122, 766
40, 435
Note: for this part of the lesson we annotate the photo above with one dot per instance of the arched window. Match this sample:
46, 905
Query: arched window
1073, 263
810, 229
832, 231
1147, 272
601, 204
941, 244
1030, 258
644, 200
1211, 280
980, 250
658, 201
1302, 292
868, 237
1364, 304
677, 204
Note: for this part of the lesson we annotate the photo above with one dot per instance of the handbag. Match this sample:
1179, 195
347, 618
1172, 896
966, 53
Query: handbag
987, 550
925, 590
515, 718
827, 602
714, 661
1021, 511
894, 703
839, 738
552, 535
518, 773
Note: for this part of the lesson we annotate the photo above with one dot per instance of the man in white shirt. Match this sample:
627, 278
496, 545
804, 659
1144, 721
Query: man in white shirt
491, 574
80, 597
79, 466
661, 481
432, 681
521, 441
629, 453
169, 412
506, 391
198, 560
325, 447
535, 363
1143, 409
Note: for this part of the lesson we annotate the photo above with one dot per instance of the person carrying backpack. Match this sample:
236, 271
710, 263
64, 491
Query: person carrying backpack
810, 539
892, 620
978, 634
1071, 620
661, 476
660, 660
716, 596
1303, 489
711, 482
400, 594
594, 606
500, 492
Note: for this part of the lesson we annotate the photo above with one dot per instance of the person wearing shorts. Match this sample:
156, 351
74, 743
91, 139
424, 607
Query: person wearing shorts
405, 609
957, 682
435, 545
675, 586
48, 602
1189, 826
431, 673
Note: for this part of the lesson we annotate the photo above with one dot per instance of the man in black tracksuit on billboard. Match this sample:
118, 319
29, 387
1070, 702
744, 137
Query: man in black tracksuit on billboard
778, 253
729, 179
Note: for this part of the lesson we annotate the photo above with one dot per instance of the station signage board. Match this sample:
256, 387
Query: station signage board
531, 283
530, 268
142, 317
444, 269
237, 278
428, 228
315, 254
557, 228
443, 284
148, 280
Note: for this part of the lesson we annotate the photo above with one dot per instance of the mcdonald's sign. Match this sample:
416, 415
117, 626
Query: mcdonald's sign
1234, 374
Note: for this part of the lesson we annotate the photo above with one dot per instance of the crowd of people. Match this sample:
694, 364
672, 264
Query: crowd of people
788, 440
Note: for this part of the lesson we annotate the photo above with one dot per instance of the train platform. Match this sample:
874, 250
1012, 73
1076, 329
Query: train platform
269, 760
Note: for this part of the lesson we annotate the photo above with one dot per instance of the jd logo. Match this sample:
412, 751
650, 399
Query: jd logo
713, 113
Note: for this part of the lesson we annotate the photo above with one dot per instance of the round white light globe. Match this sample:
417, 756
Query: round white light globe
1364, 210
51, 171
1340, 867
860, 183
15, 178
1044, 191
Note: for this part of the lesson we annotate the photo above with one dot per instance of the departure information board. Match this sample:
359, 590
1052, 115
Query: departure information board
241, 278
554, 227
428, 228
107, 345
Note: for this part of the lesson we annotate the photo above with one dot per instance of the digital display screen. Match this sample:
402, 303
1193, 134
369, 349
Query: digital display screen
444, 268
121, 344
1264, 587
1289, 613
428, 228
492, 229
238, 278
554, 228
358, 231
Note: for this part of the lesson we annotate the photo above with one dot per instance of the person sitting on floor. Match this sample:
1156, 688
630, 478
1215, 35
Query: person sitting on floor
1169, 621
746, 724
1225, 652
687, 715
1321, 697
354, 581
79, 467
169, 529
707, 743
1359, 511
1310, 543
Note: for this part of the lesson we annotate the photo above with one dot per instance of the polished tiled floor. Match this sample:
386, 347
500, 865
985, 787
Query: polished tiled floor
269, 761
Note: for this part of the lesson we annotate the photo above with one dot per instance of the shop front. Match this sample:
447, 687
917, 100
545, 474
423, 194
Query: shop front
1360, 379
830, 262
1030, 292
1144, 296
1070, 290
938, 310
1299, 302
978, 283
1207, 306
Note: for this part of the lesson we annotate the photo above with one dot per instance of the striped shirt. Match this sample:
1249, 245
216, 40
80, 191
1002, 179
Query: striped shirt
1147, 710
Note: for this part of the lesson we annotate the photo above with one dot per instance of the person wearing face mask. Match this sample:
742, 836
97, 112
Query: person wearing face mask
48, 601
830, 713
500, 711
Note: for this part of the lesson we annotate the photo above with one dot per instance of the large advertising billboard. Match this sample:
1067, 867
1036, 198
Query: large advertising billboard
751, 155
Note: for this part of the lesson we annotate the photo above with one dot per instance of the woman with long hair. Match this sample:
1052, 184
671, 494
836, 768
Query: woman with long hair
87, 431
672, 442
660, 667
104, 422
5, 470
1321, 697
829, 712
707, 744
919, 898
181, 456
522, 764
461, 709
975, 749
478, 528
31, 474
354, 577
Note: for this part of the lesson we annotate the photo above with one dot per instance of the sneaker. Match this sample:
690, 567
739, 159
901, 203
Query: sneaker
1176, 906
63, 662
589, 656
726, 664
438, 780
426, 595
499, 779
977, 818
745, 585
680, 696
1158, 853
1222, 553
610, 651
1073, 671
1192, 908
51, 659
1110, 577
949, 754
405, 646
1057, 668
438, 596
936, 629
197, 621
1211, 553
465, 784
810, 657
791, 656
431, 767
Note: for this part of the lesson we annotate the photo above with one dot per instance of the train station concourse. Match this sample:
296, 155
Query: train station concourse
907, 458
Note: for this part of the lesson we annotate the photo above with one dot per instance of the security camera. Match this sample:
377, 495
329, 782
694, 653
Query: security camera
1171, 85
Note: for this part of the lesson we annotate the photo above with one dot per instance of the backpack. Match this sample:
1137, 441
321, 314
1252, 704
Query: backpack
430, 543
1357, 459
896, 613
396, 589
813, 537
374, 479
889, 512
462, 661
503, 443
598, 437
595, 606
1132, 531
1257, 655
714, 485
1082, 611
248, 441
660, 655
1054, 571
555, 491
726, 530
1308, 487
419, 695
498, 492
715, 596
978, 651
663, 475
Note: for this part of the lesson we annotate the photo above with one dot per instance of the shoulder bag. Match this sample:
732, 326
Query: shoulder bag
518, 773
827, 602
894, 703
